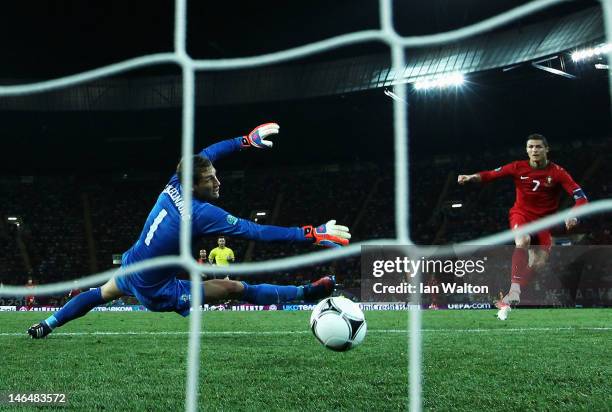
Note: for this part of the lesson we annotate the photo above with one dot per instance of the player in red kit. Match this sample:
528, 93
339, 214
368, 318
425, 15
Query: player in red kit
538, 183
30, 301
203, 258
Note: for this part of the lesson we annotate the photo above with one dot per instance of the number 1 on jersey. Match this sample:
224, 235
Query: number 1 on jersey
162, 214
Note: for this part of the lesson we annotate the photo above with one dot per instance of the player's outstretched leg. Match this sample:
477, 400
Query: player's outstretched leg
266, 294
75, 308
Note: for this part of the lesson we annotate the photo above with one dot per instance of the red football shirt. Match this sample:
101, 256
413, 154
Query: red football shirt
537, 190
30, 300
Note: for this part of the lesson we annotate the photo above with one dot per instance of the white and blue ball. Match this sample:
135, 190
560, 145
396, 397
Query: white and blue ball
338, 324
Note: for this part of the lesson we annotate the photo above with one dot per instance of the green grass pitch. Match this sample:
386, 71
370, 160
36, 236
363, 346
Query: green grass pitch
536, 360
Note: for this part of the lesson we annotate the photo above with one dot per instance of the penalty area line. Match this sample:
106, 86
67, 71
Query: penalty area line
263, 333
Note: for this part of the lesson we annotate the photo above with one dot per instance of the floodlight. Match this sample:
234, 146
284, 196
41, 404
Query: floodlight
441, 82
590, 52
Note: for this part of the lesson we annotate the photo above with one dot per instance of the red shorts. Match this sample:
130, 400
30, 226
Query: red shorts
542, 238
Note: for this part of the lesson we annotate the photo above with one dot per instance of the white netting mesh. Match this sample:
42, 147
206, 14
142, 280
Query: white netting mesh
386, 34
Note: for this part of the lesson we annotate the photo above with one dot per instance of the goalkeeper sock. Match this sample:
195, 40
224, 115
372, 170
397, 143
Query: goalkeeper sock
265, 294
75, 308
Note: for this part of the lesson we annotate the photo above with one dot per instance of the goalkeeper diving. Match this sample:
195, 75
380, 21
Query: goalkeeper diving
159, 289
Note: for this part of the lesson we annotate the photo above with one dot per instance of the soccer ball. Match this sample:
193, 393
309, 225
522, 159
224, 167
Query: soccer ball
338, 324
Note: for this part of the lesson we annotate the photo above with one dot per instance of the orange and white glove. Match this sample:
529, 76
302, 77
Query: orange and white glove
257, 137
328, 235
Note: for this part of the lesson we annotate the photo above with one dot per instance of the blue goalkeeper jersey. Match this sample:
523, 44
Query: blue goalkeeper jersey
160, 235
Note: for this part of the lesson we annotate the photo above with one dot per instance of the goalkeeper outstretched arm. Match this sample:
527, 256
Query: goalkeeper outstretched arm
256, 138
210, 219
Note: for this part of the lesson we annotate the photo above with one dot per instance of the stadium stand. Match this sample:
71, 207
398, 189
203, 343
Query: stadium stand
72, 226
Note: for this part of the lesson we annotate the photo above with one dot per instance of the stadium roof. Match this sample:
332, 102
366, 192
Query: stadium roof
86, 128
547, 36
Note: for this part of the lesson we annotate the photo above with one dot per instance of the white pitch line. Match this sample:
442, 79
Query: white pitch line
263, 333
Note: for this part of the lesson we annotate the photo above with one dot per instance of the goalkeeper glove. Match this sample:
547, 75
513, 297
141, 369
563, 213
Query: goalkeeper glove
328, 235
257, 137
